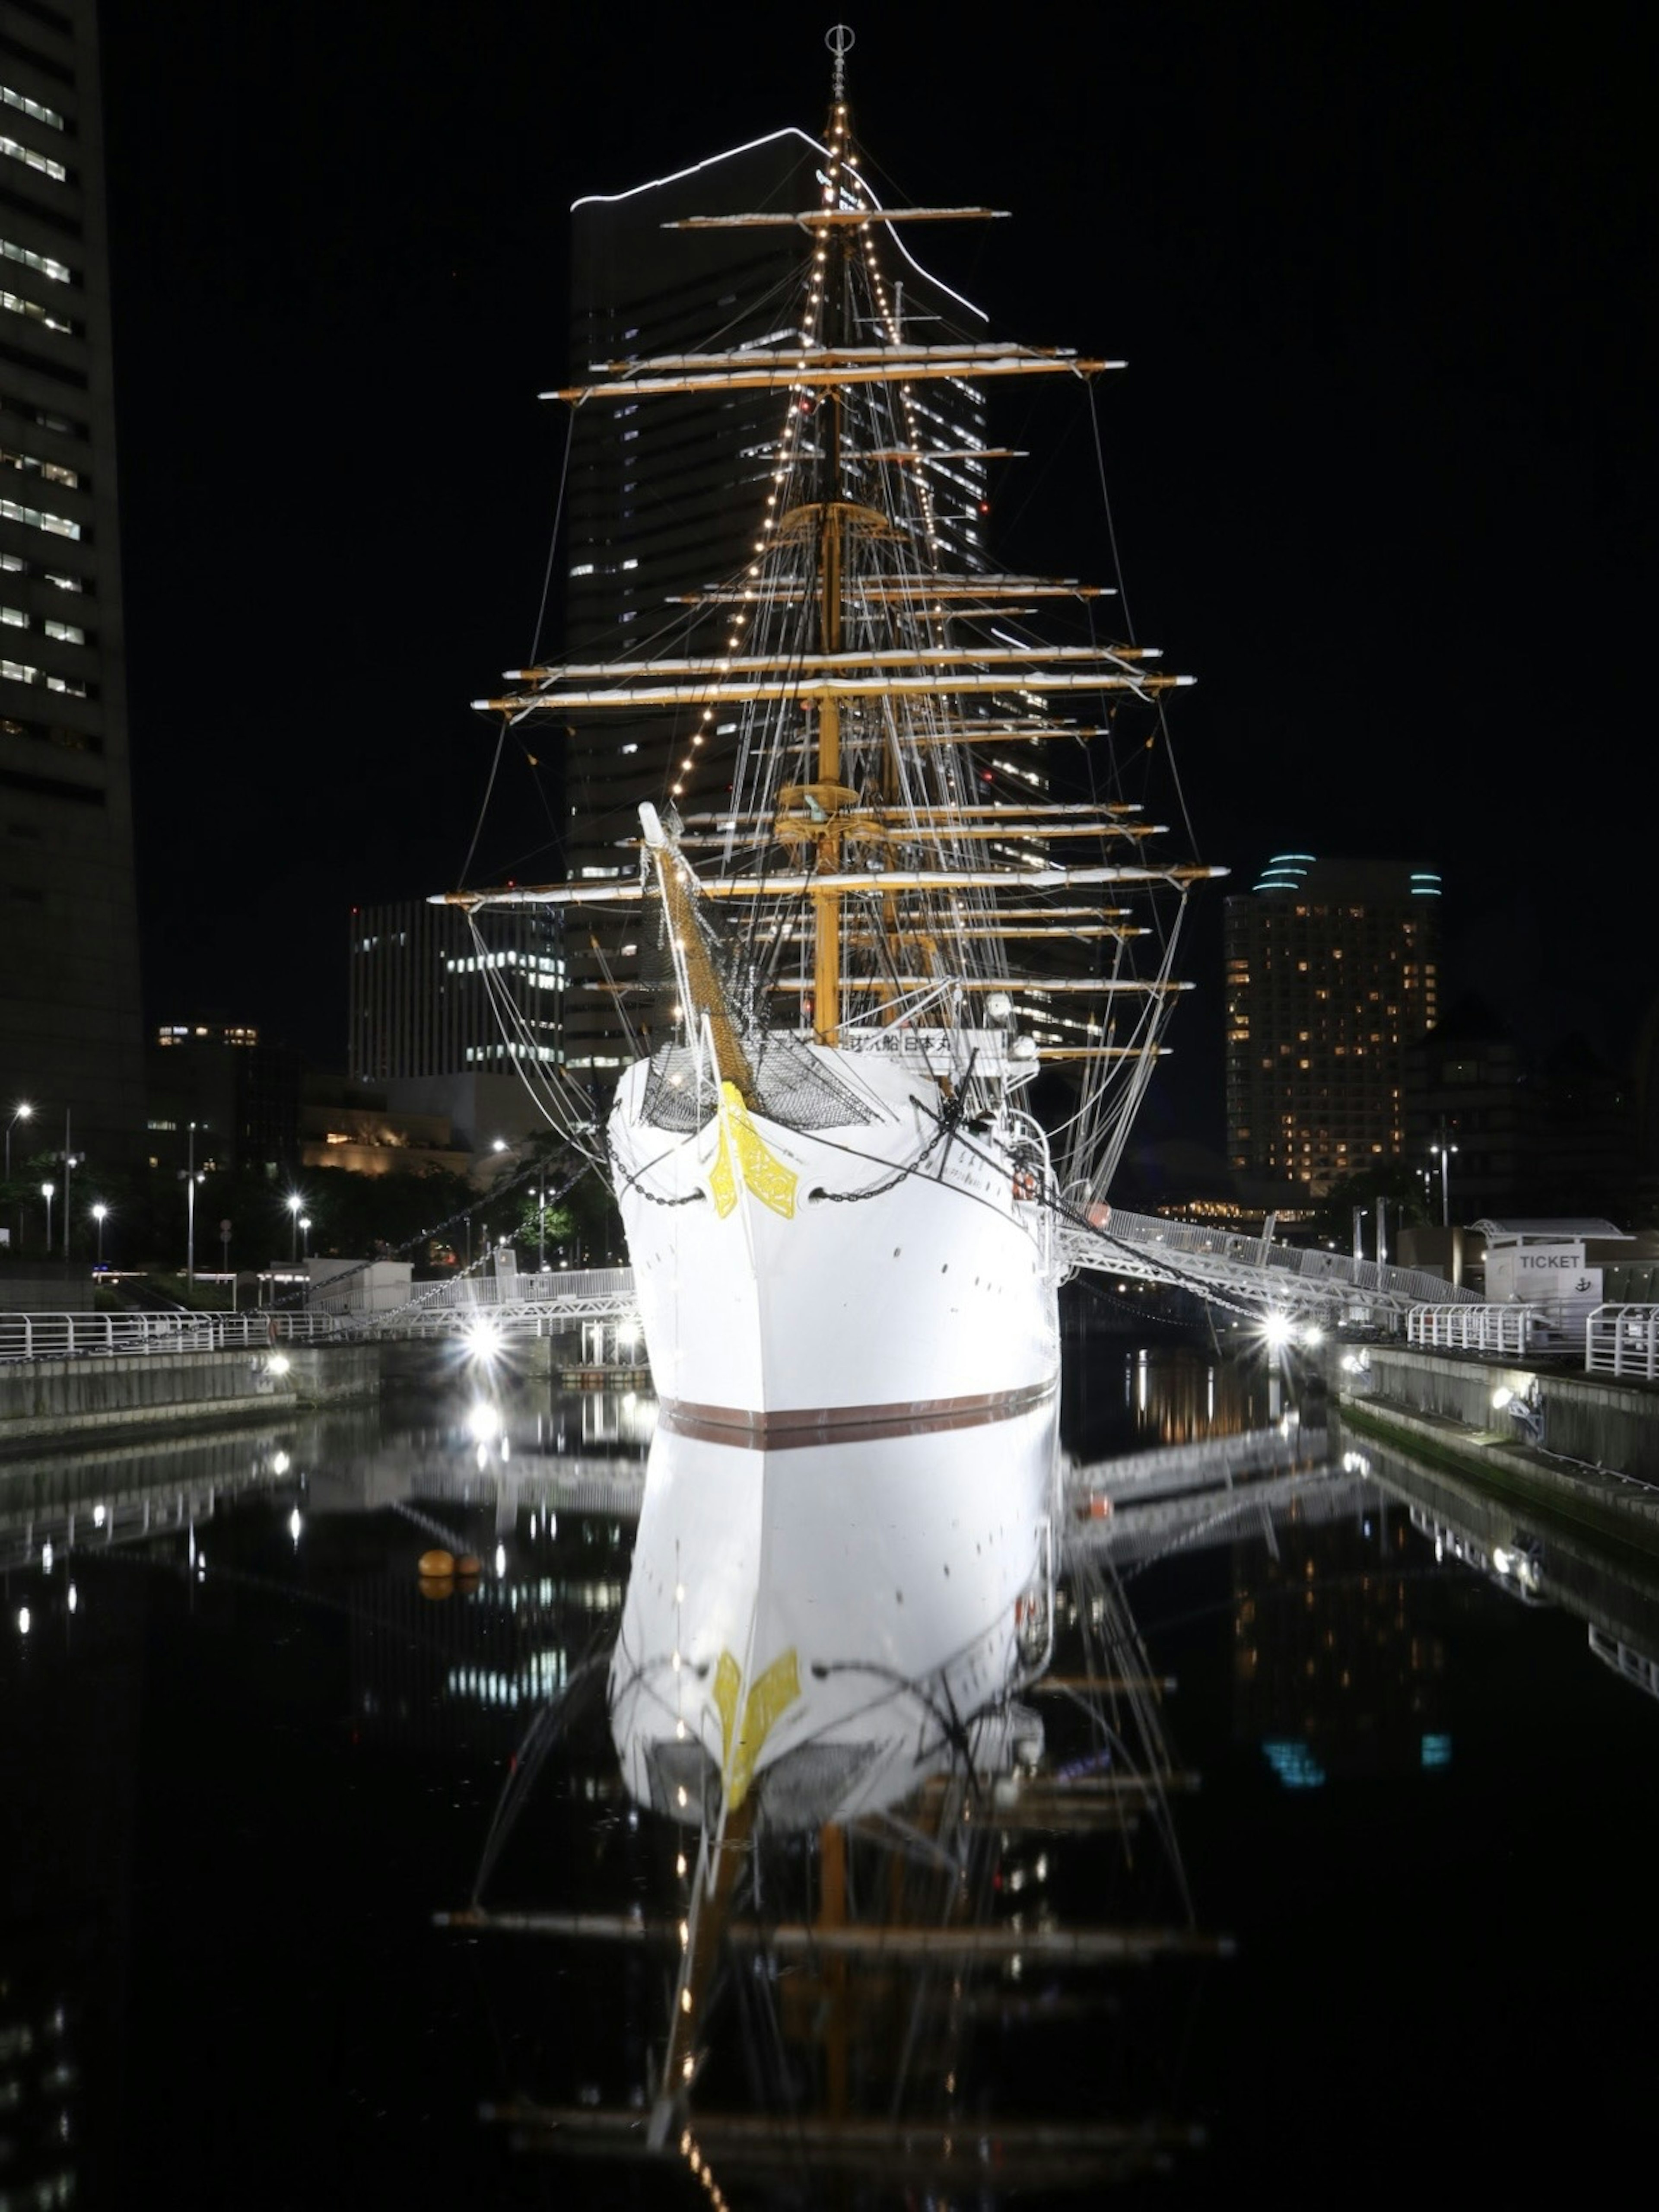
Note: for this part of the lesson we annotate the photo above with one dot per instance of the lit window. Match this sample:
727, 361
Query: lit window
24, 106
37, 519
35, 312
66, 631
31, 160
57, 270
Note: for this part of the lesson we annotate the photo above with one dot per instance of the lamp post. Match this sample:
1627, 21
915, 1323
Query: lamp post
541, 1232
190, 1181
71, 1161
46, 1190
1444, 1148
24, 1113
296, 1207
99, 1214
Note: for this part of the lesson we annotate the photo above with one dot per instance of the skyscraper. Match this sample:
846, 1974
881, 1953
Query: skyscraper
1331, 973
71, 1034
666, 495
441, 1018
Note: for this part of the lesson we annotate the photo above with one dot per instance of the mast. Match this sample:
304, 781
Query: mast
862, 665
826, 902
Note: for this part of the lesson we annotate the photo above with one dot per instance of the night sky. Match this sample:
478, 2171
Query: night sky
1382, 465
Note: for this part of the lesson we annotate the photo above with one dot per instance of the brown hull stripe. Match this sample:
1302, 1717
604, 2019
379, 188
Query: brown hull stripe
836, 1424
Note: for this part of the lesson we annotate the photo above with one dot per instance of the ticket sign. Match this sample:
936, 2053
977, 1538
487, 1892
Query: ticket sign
1531, 1272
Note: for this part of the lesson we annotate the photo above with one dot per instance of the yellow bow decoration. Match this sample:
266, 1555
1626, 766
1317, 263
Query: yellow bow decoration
770, 1695
772, 1183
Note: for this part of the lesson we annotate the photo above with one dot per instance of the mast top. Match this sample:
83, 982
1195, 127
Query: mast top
838, 38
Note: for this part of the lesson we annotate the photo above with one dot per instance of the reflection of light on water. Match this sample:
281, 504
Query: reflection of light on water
483, 1421
543, 1673
1294, 1763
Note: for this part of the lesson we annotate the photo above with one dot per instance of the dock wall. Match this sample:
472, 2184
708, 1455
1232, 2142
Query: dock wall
44, 1398
1593, 1453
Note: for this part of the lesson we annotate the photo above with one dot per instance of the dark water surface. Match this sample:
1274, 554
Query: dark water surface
251, 1757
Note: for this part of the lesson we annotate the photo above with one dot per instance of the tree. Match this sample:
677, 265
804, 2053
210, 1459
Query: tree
1396, 1180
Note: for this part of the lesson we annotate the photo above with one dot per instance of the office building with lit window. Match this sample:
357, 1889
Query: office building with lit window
1332, 977
442, 1017
664, 494
240, 1095
71, 1030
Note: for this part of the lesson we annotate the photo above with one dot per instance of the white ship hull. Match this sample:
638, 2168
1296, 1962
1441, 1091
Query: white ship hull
821, 1624
865, 1278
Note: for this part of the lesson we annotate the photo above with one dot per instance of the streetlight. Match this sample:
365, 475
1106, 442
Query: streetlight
1444, 1148
23, 1113
305, 1230
190, 1179
99, 1214
71, 1161
296, 1205
46, 1190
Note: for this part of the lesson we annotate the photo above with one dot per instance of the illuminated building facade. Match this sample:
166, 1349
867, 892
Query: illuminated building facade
664, 494
1332, 975
441, 1019
70, 1032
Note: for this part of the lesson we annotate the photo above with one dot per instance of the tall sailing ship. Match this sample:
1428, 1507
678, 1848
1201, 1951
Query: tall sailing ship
841, 1209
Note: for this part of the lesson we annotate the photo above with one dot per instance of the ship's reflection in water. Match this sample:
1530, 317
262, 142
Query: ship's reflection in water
931, 1922
870, 1732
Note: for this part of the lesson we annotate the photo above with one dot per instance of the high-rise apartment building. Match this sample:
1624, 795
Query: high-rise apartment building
1332, 975
441, 1018
71, 1034
666, 495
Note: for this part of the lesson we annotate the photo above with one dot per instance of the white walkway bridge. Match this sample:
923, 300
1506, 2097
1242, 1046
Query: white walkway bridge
1252, 1275
1246, 1275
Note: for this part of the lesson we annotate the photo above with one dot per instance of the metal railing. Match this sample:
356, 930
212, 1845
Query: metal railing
1256, 1267
1505, 1331
76, 1335
1623, 1340
571, 1289
530, 1306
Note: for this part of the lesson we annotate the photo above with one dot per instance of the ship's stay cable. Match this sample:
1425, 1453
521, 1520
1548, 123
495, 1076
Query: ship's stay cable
547, 579
1128, 619
553, 537
483, 806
